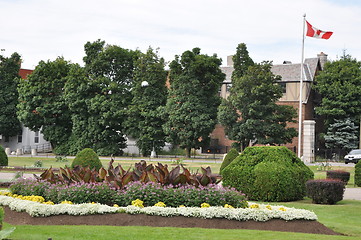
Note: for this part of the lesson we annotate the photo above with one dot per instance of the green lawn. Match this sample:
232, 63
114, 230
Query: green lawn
342, 217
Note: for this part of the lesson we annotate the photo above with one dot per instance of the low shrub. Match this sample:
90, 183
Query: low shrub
87, 158
28, 187
338, 174
325, 191
150, 193
358, 174
3, 157
270, 174
231, 155
187, 195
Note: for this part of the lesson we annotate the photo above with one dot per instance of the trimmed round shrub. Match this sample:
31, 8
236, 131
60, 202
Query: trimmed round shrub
3, 157
87, 158
325, 191
338, 174
268, 173
231, 155
358, 174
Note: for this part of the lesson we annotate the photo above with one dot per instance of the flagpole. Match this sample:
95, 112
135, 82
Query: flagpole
301, 90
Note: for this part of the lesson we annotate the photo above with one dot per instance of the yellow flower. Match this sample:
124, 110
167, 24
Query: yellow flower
228, 206
138, 203
269, 207
49, 203
66, 202
205, 205
182, 206
115, 205
254, 205
93, 203
282, 209
160, 204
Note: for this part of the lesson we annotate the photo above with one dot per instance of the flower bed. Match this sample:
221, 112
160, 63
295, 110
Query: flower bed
36, 207
150, 193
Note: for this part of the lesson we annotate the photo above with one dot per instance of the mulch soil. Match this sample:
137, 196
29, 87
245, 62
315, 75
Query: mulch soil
123, 219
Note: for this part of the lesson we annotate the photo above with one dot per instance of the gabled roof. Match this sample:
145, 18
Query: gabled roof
291, 72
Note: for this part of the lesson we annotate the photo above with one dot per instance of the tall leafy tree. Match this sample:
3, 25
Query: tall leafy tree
98, 96
227, 112
340, 87
9, 79
260, 119
241, 61
193, 98
41, 101
149, 94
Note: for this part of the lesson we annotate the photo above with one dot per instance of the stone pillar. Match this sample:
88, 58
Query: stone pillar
19, 151
34, 152
308, 141
7, 151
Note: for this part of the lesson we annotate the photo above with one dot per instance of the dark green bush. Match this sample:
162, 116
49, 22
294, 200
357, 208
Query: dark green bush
231, 155
268, 174
358, 174
3, 157
338, 174
325, 191
2, 215
87, 158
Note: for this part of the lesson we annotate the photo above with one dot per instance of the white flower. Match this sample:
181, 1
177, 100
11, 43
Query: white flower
262, 213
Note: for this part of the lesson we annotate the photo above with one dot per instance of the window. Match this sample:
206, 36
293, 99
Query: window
283, 86
36, 138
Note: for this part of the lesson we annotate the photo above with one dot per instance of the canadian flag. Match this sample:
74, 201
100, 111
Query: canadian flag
317, 33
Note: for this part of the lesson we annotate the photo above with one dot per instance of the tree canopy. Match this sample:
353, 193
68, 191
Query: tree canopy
149, 94
41, 101
340, 87
98, 96
193, 98
9, 79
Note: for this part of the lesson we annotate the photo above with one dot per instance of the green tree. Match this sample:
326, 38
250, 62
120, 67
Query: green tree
193, 98
9, 79
342, 134
149, 94
241, 61
41, 101
340, 87
254, 95
227, 112
98, 96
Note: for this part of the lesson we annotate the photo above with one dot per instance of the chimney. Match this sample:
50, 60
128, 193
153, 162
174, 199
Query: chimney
323, 59
230, 61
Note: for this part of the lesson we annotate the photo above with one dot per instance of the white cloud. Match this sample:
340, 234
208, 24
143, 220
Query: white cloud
272, 30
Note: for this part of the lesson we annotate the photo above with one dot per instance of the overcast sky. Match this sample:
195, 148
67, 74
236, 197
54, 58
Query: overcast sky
272, 29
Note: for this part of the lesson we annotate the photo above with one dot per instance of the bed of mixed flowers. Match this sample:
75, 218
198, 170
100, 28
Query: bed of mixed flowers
36, 206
